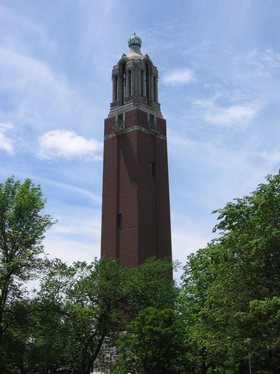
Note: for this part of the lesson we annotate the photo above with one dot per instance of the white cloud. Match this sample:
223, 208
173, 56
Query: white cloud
264, 60
272, 156
70, 250
177, 77
95, 198
186, 242
229, 115
6, 142
76, 236
235, 113
67, 144
231, 170
188, 235
90, 228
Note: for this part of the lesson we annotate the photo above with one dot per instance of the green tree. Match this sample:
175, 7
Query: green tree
99, 299
73, 321
89, 302
36, 339
79, 310
199, 274
149, 284
153, 343
231, 288
22, 228
63, 328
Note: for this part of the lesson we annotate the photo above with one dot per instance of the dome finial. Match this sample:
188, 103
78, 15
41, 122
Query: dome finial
134, 40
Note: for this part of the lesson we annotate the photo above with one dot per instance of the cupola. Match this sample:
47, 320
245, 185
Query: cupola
135, 81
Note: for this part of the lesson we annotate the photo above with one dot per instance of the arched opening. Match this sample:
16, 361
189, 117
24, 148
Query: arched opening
129, 83
155, 88
123, 82
115, 88
142, 83
147, 81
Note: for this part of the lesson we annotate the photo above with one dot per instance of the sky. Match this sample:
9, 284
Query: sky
219, 79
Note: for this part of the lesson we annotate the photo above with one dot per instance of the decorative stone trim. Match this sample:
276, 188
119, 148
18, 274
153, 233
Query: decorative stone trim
136, 128
119, 127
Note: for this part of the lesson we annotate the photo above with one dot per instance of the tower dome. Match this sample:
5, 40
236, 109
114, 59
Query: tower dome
134, 40
134, 43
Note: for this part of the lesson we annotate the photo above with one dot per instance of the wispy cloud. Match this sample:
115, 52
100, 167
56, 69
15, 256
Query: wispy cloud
225, 165
266, 60
69, 188
272, 156
90, 228
71, 250
67, 144
41, 97
181, 76
228, 115
76, 236
232, 114
185, 242
6, 141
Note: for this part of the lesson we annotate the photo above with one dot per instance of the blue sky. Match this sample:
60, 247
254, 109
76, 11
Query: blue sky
219, 67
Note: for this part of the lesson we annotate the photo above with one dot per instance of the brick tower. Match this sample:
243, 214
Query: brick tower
135, 206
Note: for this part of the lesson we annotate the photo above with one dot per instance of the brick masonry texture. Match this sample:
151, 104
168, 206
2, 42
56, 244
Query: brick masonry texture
138, 190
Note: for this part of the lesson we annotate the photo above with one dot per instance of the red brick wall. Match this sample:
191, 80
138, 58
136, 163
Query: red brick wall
130, 188
109, 201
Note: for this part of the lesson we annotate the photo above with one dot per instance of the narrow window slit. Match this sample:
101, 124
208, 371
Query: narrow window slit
153, 168
119, 220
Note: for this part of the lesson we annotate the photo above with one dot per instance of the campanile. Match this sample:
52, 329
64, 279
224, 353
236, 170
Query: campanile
135, 201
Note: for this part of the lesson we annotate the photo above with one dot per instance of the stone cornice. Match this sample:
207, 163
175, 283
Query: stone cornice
137, 128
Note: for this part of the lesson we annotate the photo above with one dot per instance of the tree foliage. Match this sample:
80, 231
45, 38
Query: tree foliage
232, 287
149, 284
22, 228
153, 343
76, 309
78, 313
225, 317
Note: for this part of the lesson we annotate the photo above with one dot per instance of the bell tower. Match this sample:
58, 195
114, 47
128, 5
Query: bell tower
135, 201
